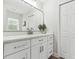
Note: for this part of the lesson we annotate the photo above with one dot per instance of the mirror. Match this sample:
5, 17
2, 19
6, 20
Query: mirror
20, 16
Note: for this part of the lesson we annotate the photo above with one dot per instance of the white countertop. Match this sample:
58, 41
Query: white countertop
20, 37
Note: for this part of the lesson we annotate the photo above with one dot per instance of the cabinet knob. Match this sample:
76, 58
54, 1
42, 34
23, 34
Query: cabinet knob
19, 46
41, 40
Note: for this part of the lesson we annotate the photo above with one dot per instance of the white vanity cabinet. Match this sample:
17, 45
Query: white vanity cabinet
24, 54
38, 47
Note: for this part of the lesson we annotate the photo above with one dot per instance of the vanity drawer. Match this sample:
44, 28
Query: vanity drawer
15, 46
43, 39
38, 40
50, 43
50, 52
50, 37
24, 54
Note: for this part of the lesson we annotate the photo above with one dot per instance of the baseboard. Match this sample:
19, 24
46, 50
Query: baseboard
56, 55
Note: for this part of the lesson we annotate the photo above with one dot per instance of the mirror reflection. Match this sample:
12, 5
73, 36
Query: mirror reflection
20, 16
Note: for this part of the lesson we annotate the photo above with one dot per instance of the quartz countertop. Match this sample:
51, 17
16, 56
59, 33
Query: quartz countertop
22, 37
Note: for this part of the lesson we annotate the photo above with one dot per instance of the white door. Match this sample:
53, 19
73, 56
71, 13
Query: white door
24, 54
43, 51
67, 30
35, 52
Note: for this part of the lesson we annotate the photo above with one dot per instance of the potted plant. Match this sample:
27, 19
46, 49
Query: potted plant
42, 28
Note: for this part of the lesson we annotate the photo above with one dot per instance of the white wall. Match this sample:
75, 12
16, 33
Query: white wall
51, 17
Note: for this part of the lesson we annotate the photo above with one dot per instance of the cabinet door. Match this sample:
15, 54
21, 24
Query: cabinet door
24, 54
43, 53
50, 52
35, 52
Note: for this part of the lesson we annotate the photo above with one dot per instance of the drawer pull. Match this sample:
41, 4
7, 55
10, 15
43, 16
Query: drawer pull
41, 40
19, 46
41, 49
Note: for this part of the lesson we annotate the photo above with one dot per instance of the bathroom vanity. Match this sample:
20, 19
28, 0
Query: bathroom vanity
28, 46
20, 17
